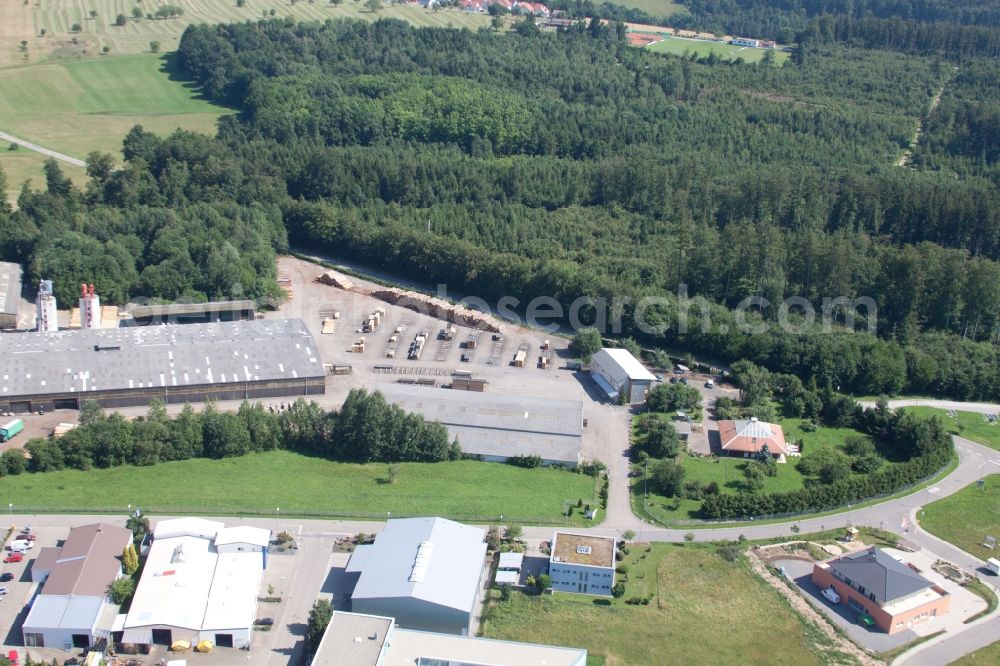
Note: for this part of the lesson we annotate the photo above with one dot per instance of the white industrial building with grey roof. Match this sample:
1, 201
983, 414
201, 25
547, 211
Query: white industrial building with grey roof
498, 427
424, 572
617, 372
200, 583
177, 364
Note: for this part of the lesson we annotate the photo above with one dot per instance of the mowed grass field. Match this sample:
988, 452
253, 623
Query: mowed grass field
661, 8
57, 17
987, 656
23, 164
300, 484
681, 46
704, 610
970, 425
966, 517
77, 107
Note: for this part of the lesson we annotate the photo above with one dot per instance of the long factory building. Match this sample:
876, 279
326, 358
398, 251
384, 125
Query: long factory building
124, 367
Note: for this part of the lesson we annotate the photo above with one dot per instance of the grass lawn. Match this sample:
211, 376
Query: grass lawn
23, 164
966, 517
681, 46
86, 105
307, 486
987, 656
728, 471
57, 17
704, 610
970, 425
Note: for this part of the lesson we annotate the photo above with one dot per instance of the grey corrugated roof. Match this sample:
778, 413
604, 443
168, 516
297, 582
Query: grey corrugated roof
82, 361
55, 612
176, 309
498, 425
452, 570
10, 288
880, 573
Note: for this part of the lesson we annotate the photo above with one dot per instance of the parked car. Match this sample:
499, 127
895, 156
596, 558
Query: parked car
26, 537
684, 380
831, 595
3, 590
710, 384
13, 557
659, 378
6, 577
264, 621
673, 380
12, 658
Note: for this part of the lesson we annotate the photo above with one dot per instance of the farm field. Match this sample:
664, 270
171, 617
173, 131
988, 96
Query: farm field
966, 517
91, 104
970, 425
727, 472
300, 484
57, 17
680, 46
23, 164
692, 587
659, 8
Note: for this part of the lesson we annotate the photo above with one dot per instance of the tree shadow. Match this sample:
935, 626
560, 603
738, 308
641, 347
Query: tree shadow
169, 65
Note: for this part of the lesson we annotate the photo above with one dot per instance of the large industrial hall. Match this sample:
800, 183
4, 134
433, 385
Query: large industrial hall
130, 366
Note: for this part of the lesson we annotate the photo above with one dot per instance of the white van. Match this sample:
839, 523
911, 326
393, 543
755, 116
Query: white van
831, 594
21, 546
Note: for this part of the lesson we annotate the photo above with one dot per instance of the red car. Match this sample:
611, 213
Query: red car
26, 537
13, 557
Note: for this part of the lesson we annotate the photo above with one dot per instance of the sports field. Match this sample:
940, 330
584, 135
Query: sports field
682, 46
76, 107
300, 484
57, 18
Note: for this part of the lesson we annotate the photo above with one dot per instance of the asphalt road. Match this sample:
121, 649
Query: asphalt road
41, 149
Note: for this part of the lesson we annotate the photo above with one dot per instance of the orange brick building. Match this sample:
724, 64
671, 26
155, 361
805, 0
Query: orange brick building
873, 582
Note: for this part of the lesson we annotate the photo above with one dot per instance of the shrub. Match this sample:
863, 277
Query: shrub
628, 535
528, 462
505, 592
689, 536
544, 582
622, 569
729, 553
617, 590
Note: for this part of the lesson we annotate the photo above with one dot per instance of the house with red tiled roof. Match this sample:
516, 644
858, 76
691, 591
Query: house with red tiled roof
478, 6
504, 4
747, 438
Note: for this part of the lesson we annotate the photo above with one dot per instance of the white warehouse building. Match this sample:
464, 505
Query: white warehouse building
616, 371
422, 571
200, 582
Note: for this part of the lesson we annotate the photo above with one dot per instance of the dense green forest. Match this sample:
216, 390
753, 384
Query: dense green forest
572, 165
960, 29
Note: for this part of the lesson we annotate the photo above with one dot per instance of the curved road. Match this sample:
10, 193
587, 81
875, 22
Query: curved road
44, 151
898, 515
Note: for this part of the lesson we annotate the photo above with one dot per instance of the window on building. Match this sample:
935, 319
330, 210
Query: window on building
34, 640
